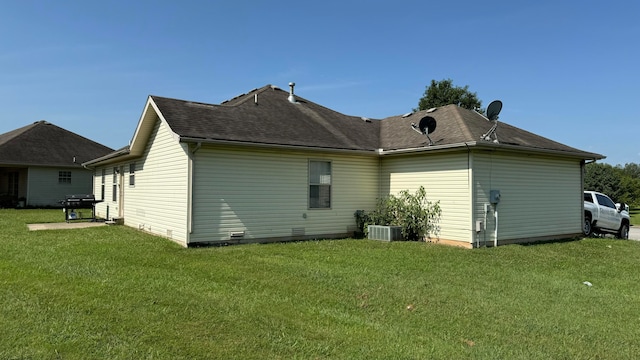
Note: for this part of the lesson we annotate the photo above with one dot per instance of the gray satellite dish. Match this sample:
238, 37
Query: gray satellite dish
494, 109
492, 114
426, 126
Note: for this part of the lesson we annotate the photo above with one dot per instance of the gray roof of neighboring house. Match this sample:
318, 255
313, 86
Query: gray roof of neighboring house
45, 144
275, 120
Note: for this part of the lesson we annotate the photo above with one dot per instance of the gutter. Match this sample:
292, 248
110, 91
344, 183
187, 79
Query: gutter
113, 155
493, 146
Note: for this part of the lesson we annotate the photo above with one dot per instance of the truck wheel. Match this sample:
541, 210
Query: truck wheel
587, 228
623, 233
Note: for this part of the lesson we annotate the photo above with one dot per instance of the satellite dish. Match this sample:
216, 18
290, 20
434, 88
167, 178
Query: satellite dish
494, 109
427, 125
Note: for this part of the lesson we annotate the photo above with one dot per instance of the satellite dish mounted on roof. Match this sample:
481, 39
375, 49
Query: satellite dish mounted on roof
426, 126
492, 114
494, 110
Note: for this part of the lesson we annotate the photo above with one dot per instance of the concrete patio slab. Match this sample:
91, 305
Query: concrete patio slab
64, 225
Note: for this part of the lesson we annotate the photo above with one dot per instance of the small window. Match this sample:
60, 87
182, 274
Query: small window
64, 177
104, 175
319, 184
114, 185
132, 174
588, 197
13, 184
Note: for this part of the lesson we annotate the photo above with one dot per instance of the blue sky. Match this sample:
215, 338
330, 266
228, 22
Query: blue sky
564, 70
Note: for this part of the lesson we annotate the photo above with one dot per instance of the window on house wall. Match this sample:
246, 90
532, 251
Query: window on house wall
132, 174
104, 175
114, 186
13, 184
64, 177
319, 184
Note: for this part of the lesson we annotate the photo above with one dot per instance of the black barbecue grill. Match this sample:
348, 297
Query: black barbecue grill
71, 203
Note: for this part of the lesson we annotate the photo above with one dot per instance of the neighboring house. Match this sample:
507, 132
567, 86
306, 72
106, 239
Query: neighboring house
41, 163
270, 166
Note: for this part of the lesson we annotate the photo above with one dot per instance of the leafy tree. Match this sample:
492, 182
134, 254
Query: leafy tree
622, 184
602, 178
632, 170
443, 92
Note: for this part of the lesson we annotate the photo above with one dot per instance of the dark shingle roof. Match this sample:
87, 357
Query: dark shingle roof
456, 125
45, 144
273, 120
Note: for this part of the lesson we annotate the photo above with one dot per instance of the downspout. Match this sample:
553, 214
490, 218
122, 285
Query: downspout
495, 212
475, 235
190, 185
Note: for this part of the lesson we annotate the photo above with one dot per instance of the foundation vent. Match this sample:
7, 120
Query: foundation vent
236, 235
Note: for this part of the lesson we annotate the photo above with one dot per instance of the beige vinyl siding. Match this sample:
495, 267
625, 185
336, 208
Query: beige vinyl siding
445, 178
265, 193
158, 202
107, 209
45, 190
541, 197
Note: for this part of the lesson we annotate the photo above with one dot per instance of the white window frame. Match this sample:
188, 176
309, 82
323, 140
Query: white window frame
102, 186
114, 185
319, 182
132, 174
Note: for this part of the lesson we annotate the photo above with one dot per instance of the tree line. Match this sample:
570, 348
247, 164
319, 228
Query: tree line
621, 183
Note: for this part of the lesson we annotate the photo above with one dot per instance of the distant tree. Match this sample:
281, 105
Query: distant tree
443, 92
602, 178
632, 170
621, 184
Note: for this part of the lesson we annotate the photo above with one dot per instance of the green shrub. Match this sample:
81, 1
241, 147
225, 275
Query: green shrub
417, 216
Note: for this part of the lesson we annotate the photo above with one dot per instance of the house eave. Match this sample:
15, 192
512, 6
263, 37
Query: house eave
493, 146
116, 156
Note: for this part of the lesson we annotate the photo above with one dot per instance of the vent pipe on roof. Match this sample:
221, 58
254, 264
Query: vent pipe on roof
292, 98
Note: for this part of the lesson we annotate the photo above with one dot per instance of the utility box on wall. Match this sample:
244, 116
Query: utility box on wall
494, 196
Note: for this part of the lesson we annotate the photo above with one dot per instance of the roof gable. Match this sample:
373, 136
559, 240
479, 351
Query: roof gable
45, 144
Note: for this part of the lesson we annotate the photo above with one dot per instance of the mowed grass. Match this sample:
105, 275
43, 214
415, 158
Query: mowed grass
117, 293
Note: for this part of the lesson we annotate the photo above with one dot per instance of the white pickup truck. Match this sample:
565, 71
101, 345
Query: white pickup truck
601, 215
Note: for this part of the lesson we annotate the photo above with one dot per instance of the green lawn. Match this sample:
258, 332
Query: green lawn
116, 293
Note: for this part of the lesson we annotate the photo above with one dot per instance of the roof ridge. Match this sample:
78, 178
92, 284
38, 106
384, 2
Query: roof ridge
464, 128
246, 95
13, 134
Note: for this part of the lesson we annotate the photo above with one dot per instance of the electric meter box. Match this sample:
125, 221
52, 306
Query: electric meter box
494, 196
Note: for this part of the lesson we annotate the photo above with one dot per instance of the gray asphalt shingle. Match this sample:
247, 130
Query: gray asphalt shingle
45, 144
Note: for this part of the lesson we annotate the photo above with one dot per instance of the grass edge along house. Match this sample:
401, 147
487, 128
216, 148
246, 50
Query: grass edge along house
269, 165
